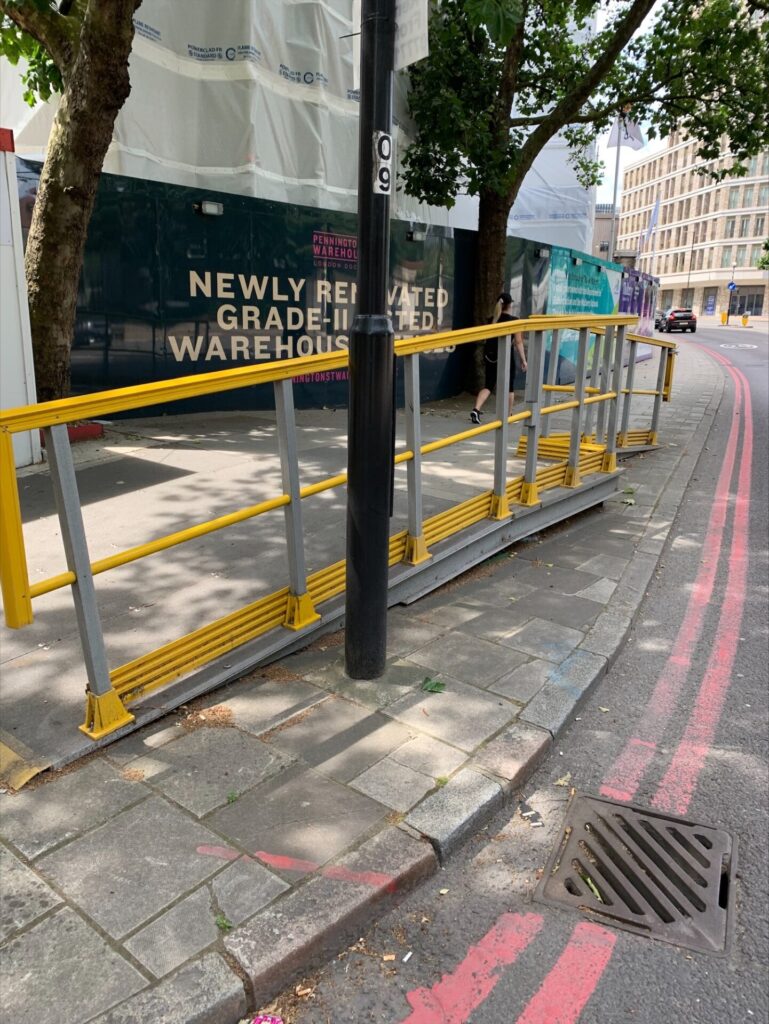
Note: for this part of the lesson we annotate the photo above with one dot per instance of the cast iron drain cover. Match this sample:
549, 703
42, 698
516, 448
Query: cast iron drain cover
645, 872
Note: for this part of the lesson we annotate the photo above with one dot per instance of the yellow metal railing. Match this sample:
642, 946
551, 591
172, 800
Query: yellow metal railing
203, 645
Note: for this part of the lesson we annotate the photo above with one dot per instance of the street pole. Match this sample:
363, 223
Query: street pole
370, 445
613, 236
731, 292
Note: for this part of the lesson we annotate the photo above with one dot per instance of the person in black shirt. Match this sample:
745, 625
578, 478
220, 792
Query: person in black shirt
490, 362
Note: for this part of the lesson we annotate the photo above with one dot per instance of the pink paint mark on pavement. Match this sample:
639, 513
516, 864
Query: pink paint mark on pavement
573, 979
677, 787
456, 995
282, 862
624, 777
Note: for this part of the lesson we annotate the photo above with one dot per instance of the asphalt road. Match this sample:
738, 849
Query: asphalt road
481, 950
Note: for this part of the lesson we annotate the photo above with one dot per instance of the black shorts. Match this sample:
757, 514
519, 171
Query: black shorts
490, 370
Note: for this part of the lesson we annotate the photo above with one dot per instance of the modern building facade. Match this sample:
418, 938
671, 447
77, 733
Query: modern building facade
695, 234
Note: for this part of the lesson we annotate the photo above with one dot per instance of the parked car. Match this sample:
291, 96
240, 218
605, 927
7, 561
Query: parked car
678, 319
659, 316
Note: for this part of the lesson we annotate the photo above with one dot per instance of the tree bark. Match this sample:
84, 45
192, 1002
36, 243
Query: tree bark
96, 87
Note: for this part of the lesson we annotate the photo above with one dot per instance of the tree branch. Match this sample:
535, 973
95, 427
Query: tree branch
52, 30
568, 108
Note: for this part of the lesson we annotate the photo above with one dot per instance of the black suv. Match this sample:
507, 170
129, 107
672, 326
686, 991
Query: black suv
678, 319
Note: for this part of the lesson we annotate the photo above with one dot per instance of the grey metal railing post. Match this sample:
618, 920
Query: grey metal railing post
552, 374
535, 360
654, 428
629, 385
500, 507
610, 455
605, 385
590, 414
416, 547
300, 611
104, 709
572, 477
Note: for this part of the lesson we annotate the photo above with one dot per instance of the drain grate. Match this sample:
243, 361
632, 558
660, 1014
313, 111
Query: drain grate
646, 872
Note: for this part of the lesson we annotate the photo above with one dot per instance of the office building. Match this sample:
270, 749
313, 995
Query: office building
704, 234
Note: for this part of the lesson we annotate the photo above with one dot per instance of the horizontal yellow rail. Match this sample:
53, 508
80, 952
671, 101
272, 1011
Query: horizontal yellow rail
105, 403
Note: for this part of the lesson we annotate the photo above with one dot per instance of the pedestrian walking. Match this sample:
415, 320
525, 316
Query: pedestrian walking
490, 349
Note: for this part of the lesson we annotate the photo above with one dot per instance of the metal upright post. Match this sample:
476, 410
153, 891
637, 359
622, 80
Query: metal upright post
529, 491
572, 478
610, 455
588, 424
370, 417
552, 372
654, 429
600, 424
300, 611
104, 709
416, 548
629, 385
500, 507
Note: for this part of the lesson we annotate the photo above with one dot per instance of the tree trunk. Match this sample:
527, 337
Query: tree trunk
493, 212
97, 86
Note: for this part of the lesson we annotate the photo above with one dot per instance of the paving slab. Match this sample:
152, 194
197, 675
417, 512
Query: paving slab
610, 566
393, 784
205, 768
450, 616
429, 756
448, 816
563, 693
465, 657
307, 817
128, 869
244, 888
461, 715
260, 705
562, 609
400, 677
514, 754
63, 972
499, 622
600, 592
206, 991
283, 942
565, 581
609, 633
340, 738
525, 681
405, 633
543, 639
24, 896
175, 936
37, 819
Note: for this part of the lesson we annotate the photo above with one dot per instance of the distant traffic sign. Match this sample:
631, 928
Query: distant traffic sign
732, 286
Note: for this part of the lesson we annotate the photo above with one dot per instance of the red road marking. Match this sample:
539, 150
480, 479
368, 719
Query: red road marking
376, 879
677, 787
572, 981
456, 995
622, 780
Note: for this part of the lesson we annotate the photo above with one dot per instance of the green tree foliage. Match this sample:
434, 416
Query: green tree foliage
763, 259
504, 77
79, 48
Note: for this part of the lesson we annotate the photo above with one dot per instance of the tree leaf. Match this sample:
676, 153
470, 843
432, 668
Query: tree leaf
433, 685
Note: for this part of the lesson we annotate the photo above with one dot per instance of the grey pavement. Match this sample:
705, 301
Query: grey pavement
190, 871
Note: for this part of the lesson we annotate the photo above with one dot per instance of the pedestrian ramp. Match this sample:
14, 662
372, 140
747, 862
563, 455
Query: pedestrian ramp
531, 483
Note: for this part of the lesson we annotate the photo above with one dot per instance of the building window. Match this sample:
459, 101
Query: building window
731, 223
744, 227
751, 302
760, 221
763, 196
753, 165
706, 203
755, 254
765, 164
747, 196
734, 197
741, 255
726, 256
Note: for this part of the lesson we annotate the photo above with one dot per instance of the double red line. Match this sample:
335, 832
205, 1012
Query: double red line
572, 980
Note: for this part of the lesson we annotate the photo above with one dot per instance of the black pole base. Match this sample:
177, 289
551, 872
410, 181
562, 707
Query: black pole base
369, 488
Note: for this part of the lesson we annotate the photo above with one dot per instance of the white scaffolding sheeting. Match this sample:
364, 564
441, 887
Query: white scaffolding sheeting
260, 99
